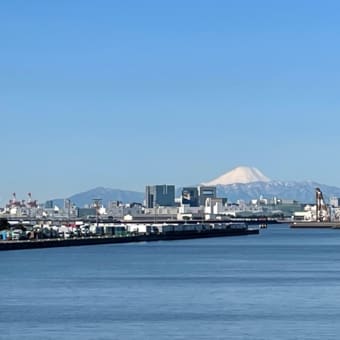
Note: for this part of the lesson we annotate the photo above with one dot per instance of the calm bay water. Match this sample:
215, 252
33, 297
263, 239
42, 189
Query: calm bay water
281, 284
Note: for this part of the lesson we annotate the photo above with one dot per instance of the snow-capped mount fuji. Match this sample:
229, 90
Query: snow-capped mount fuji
241, 174
247, 183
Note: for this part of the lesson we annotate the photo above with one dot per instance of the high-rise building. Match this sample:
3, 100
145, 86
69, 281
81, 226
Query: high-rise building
161, 195
190, 196
49, 204
206, 192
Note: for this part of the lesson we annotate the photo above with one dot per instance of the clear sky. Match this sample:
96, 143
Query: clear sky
127, 93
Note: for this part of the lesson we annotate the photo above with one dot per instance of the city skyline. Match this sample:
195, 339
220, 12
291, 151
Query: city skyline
241, 183
125, 94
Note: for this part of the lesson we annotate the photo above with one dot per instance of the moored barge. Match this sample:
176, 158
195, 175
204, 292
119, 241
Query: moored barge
146, 237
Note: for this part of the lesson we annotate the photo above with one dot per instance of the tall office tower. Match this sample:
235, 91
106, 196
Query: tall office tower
190, 196
161, 195
206, 192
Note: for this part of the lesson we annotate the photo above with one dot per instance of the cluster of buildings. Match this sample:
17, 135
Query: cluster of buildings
162, 207
321, 211
162, 202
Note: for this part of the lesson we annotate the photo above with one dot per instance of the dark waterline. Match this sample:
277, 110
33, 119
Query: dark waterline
281, 284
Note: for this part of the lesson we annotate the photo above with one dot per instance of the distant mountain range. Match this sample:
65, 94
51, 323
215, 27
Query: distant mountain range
241, 183
105, 194
246, 183
300, 191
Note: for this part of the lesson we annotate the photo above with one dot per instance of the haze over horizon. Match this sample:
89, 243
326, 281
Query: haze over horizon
126, 93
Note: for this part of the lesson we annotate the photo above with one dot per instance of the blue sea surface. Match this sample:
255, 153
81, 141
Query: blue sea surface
281, 284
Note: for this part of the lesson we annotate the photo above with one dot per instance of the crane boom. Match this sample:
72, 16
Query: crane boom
322, 213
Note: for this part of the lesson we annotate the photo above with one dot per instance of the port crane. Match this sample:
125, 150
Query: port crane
322, 212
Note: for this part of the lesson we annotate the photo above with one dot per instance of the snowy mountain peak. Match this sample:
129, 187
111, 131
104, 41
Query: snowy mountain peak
241, 174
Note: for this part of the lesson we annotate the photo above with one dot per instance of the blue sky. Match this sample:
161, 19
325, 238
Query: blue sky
127, 93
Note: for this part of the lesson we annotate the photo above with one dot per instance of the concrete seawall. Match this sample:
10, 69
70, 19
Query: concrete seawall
334, 225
